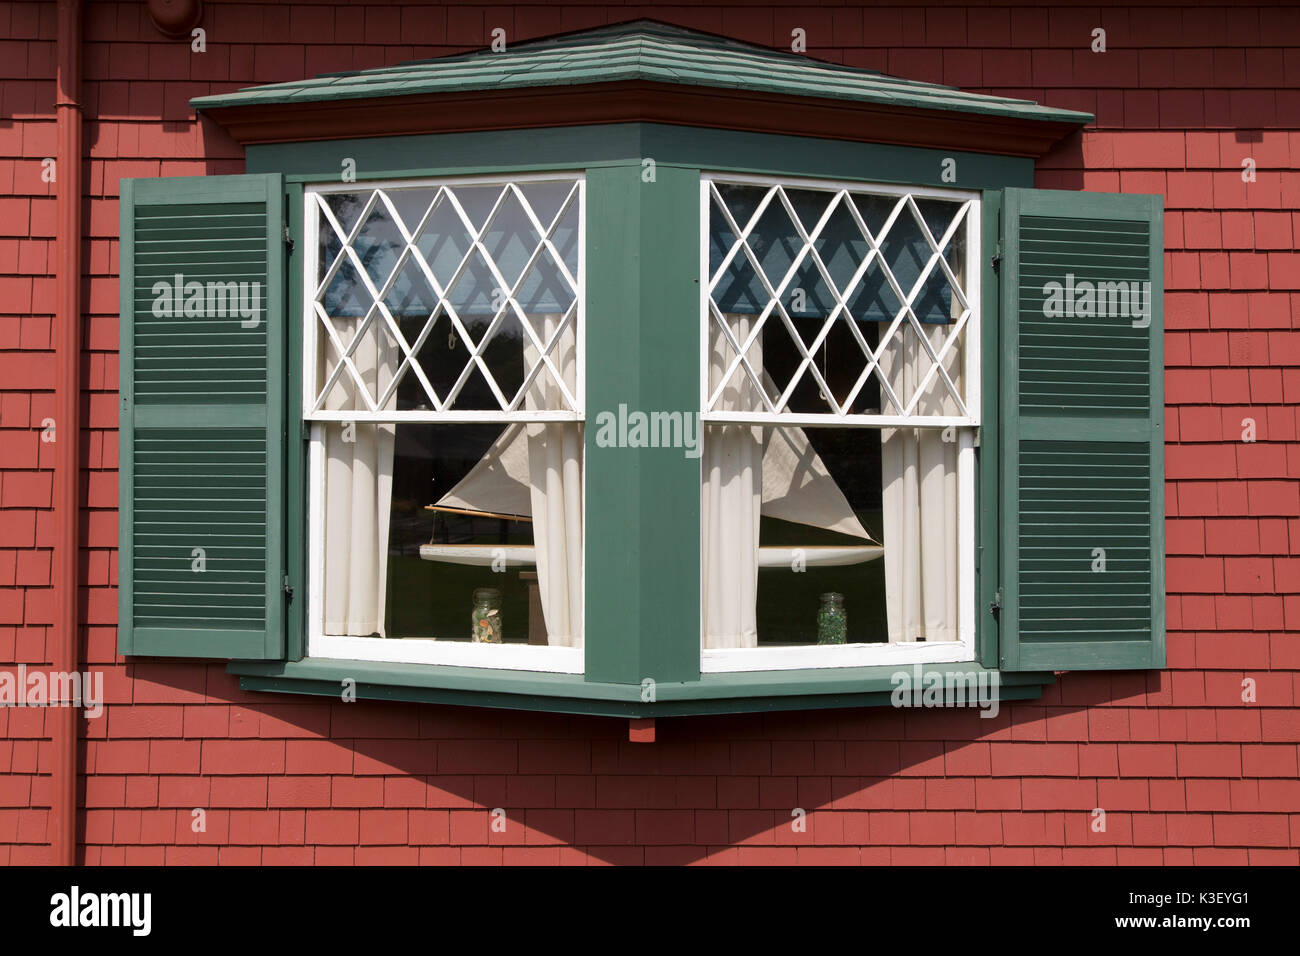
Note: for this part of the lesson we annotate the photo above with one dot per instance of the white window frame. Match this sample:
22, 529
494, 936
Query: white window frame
562, 660
726, 660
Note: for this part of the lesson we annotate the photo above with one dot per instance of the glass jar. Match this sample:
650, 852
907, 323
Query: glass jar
832, 622
485, 621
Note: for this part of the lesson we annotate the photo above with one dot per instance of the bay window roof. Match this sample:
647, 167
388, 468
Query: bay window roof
640, 71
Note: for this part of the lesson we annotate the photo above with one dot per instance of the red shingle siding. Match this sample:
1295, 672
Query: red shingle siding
1186, 772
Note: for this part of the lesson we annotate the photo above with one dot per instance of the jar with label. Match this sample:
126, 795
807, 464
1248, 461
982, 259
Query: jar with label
832, 622
485, 620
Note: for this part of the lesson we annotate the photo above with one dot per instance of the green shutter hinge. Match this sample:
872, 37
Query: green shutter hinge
996, 604
288, 239
996, 261
288, 588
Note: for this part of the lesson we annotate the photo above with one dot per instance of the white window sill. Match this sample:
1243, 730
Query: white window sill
569, 660
521, 657
732, 659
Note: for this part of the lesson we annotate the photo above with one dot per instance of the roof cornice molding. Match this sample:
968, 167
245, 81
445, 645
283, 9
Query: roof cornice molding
641, 71
638, 102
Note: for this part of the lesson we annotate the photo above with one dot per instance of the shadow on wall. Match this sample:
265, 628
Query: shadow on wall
483, 778
1064, 164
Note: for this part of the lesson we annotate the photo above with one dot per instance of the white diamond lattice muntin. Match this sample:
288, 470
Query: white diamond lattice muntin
803, 234
442, 220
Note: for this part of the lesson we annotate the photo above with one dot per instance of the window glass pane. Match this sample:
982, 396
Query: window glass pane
445, 323
828, 536
444, 241
834, 281
433, 301
372, 360
547, 200
423, 522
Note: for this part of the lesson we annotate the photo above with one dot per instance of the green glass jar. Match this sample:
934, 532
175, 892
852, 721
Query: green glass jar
485, 621
832, 622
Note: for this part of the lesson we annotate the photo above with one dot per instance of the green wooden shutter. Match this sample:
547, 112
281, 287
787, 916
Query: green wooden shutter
202, 418
1082, 442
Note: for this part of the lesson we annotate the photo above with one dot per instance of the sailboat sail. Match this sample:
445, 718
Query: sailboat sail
499, 482
796, 485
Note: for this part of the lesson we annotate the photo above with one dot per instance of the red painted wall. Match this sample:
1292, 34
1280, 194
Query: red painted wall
1186, 772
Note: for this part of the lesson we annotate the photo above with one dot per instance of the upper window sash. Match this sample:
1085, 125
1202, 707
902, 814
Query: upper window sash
764, 240
458, 263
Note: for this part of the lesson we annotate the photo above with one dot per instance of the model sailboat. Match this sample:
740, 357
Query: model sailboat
796, 487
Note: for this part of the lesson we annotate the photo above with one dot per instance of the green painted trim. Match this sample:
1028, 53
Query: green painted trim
1086, 205
451, 154
643, 563
613, 611
585, 707
190, 190
1009, 412
126, 420
276, 273
1089, 656
295, 441
591, 147
771, 154
668, 357
205, 642
642, 346
989, 518
1156, 212
571, 693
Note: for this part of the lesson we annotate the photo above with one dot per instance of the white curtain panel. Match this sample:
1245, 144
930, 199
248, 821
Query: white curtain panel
358, 492
732, 498
919, 475
555, 483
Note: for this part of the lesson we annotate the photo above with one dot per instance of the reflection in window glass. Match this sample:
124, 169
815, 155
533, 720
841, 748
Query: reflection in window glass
819, 281
438, 322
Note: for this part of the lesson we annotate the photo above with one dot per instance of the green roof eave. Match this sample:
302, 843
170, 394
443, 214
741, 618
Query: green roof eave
643, 51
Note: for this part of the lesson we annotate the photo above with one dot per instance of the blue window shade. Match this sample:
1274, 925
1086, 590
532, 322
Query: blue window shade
444, 243
842, 248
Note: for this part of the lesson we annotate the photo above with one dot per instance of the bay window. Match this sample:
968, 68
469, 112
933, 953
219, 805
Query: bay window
424, 458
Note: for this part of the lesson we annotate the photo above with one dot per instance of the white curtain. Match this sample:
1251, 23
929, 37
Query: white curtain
919, 476
358, 492
555, 482
732, 498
